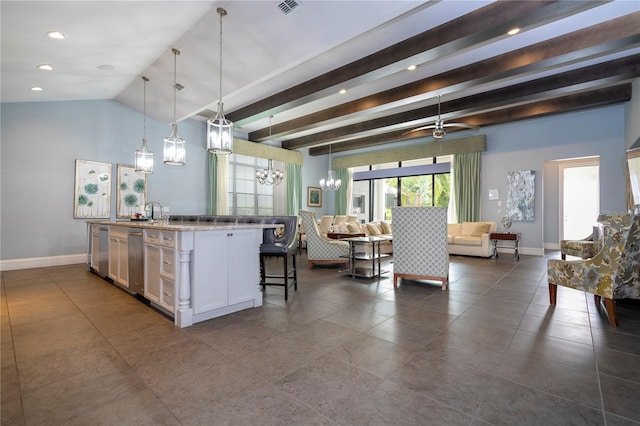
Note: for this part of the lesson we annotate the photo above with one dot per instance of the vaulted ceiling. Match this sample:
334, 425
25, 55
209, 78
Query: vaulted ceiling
282, 72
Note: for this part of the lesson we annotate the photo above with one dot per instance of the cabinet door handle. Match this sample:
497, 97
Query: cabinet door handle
166, 262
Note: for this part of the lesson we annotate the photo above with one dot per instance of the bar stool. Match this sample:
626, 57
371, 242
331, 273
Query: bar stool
280, 242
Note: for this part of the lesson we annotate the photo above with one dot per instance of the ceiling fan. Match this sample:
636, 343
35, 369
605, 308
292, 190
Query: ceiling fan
439, 126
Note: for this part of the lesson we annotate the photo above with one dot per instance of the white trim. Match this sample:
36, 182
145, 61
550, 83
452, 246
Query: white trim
552, 246
42, 262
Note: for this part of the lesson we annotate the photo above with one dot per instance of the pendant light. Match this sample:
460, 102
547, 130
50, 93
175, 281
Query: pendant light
144, 157
219, 129
269, 176
174, 151
330, 184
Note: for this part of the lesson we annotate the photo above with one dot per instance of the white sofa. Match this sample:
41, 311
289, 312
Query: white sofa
470, 238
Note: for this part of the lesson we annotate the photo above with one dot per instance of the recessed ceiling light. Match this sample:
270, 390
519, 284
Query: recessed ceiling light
342, 91
412, 67
45, 67
56, 34
105, 67
36, 89
513, 31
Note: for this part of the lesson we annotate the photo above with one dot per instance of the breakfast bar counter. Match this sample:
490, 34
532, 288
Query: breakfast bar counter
191, 271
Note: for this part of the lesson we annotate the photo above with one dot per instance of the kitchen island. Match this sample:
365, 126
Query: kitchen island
191, 271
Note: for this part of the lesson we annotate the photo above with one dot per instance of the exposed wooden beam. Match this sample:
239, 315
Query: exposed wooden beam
575, 102
582, 79
595, 40
487, 23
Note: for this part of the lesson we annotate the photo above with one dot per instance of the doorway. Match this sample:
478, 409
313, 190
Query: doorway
580, 197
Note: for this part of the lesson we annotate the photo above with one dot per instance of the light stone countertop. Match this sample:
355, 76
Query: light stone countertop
188, 226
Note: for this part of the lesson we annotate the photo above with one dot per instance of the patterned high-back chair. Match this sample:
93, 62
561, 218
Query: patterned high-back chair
321, 249
613, 273
420, 250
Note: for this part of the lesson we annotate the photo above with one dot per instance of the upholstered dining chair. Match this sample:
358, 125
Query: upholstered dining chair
280, 242
420, 249
326, 222
321, 249
612, 273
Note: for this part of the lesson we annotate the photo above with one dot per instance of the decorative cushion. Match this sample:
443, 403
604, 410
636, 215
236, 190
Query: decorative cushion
342, 228
373, 229
481, 228
385, 228
468, 228
353, 227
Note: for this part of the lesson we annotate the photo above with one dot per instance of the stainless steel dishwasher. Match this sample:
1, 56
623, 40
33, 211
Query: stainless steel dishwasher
136, 262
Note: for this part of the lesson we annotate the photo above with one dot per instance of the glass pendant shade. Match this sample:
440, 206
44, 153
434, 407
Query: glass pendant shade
270, 176
143, 157
174, 152
330, 183
220, 134
219, 129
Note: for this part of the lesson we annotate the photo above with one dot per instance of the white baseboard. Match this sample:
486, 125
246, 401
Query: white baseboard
552, 246
42, 262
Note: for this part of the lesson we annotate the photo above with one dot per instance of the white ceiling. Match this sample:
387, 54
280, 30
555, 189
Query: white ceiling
264, 52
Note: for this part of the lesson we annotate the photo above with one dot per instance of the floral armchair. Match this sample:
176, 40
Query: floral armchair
613, 273
586, 247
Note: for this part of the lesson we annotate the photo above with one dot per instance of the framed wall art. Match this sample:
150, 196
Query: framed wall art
521, 195
132, 191
92, 195
314, 196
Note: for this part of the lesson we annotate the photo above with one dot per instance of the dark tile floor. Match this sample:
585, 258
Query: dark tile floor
490, 350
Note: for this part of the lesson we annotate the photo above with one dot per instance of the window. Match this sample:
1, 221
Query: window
421, 182
246, 196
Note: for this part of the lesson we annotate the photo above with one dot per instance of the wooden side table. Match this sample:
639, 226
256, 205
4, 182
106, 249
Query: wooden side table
505, 236
342, 235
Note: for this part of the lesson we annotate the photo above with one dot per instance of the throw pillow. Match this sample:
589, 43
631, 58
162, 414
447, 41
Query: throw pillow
481, 228
373, 229
386, 227
353, 227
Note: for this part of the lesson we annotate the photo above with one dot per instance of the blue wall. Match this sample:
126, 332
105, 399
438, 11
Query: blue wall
40, 143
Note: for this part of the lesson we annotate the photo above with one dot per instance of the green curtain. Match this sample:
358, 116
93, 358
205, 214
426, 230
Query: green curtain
342, 200
466, 170
294, 188
213, 190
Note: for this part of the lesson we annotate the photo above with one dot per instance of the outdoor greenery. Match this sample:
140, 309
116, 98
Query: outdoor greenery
418, 191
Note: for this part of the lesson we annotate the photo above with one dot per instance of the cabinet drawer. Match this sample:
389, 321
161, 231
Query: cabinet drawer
163, 238
168, 262
167, 297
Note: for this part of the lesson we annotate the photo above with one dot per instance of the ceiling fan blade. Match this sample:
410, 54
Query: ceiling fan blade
432, 126
467, 126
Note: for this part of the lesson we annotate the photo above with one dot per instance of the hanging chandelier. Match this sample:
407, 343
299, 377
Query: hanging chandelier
219, 129
269, 176
174, 151
144, 157
330, 184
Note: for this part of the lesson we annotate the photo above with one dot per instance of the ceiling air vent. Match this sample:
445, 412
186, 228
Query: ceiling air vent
287, 6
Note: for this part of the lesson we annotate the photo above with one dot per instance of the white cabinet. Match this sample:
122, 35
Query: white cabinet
161, 268
118, 255
226, 270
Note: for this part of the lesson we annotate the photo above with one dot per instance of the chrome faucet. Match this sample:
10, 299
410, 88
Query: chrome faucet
153, 203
